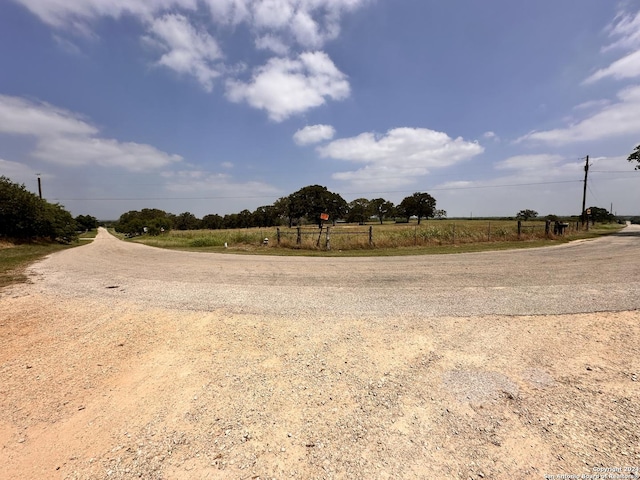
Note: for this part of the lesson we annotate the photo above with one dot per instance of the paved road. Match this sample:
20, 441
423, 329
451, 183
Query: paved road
586, 276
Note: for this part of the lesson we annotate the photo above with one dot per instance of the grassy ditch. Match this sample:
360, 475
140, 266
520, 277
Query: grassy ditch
431, 237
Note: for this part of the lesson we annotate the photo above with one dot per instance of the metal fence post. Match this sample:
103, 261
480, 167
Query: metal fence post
299, 238
278, 234
519, 228
370, 235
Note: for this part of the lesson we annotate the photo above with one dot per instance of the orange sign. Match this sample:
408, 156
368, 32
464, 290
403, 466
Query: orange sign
324, 216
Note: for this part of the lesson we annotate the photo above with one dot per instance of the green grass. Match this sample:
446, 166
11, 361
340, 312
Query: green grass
431, 237
15, 259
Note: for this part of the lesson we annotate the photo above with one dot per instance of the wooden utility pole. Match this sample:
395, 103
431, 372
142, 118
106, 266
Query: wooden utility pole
584, 192
39, 186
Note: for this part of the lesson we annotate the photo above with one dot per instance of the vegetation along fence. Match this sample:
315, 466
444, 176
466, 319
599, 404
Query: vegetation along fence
436, 232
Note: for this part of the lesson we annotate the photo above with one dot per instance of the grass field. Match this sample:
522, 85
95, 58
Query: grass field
434, 236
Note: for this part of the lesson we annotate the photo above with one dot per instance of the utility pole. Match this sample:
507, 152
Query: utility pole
584, 193
39, 186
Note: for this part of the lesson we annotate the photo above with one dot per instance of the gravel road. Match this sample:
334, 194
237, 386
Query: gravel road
587, 276
122, 361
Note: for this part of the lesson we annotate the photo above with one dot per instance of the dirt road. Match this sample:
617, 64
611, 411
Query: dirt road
124, 361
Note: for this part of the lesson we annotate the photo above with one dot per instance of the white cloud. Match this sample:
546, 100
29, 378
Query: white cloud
398, 156
188, 51
314, 134
75, 15
206, 184
533, 163
80, 151
63, 138
273, 43
625, 29
285, 87
22, 117
626, 67
17, 172
613, 120
310, 23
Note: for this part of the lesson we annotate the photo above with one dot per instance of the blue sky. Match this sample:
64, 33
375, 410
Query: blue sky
214, 106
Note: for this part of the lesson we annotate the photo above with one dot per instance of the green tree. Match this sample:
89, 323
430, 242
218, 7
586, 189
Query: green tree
635, 157
133, 222
601, 215
526, 215
420, 204
212, 221
359, 211
86, 222
266, 216
187, 221
440, 214
381, 208
314, 200
25, 216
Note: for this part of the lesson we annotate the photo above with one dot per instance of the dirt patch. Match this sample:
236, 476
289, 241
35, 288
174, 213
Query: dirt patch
92, 390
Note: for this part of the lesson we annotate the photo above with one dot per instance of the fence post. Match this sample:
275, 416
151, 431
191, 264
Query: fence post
299, 238
547, 227
328, 239
370, 235
489, 233
519, 228
278, 234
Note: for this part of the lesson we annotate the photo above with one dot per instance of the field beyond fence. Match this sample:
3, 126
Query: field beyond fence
353, 237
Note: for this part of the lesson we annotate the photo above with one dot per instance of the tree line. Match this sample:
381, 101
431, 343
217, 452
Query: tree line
24, 216
304, 206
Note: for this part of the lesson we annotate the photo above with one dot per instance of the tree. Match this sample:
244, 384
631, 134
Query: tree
381, 208
25, 216
212, 221
266, 216
440, 214
156, 221
359, 211
526, 214
314, 200
86, 222
187, 221
635, 157
601, 215
420, 204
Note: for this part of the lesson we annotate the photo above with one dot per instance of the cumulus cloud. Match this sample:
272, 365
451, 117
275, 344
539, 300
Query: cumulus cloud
284, 27
314, 134
617, 119
285, 87
64, 138
398, 156
310, 23
187, 51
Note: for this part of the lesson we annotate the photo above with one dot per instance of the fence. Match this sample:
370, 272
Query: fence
299, 233
428, 233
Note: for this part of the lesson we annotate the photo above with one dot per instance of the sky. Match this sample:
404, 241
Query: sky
216, 106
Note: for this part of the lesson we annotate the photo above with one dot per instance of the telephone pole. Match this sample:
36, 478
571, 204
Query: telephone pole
39, 186
584, 193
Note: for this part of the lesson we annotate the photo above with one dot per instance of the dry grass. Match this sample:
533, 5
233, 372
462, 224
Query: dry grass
433, 236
